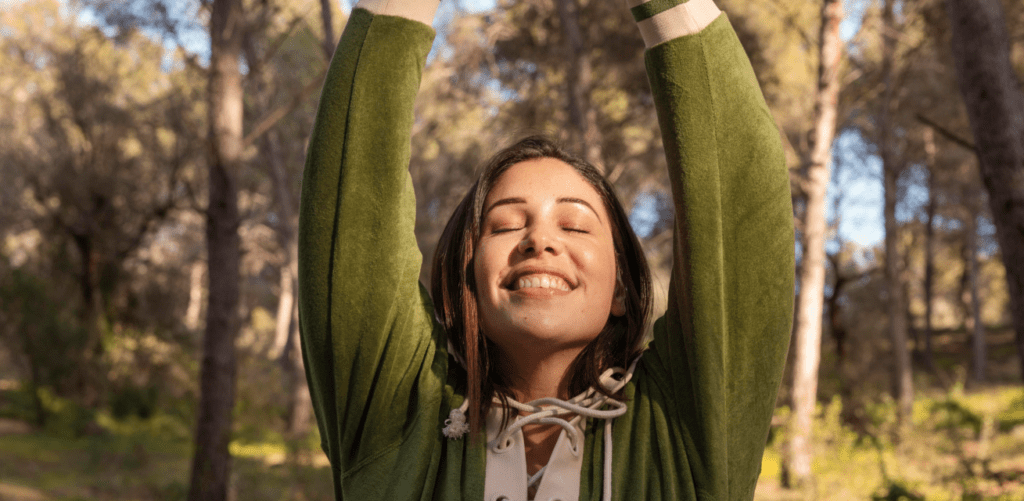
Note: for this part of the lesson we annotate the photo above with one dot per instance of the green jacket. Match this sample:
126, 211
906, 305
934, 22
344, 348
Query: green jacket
701, 400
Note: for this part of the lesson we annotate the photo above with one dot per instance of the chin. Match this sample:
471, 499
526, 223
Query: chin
530, 336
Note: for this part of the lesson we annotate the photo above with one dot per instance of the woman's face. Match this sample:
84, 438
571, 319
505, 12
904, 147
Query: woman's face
545, 261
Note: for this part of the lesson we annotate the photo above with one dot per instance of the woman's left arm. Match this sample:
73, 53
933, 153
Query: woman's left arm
721, 348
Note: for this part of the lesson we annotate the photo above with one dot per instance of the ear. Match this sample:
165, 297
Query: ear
619, 301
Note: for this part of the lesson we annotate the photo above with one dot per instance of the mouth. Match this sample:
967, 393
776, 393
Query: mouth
539, 280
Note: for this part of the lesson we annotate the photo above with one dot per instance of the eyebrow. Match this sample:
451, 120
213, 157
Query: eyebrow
562, 200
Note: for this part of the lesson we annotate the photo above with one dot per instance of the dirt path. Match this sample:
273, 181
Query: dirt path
11, 492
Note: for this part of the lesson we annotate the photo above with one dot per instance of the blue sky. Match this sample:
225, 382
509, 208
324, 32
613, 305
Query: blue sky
856, 170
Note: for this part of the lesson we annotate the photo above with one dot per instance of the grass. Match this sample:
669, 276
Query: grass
144, 465
961, 446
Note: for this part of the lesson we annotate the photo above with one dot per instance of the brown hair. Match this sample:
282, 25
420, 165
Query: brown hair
453, 286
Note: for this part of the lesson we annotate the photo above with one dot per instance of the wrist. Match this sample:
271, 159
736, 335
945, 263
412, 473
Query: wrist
416, 10
663, 20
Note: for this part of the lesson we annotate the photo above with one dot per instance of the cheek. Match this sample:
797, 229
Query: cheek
483, 267
600, 262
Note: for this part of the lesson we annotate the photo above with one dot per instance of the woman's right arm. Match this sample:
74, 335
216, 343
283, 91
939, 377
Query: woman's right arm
367, 326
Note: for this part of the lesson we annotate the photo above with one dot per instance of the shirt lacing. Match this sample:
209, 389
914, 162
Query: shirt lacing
550, 411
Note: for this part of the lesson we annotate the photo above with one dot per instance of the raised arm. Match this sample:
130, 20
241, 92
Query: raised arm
721, 347
367, 326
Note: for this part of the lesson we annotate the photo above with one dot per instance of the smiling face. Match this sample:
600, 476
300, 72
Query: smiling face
544, 263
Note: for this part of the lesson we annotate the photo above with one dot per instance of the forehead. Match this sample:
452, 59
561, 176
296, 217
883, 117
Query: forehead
543, 178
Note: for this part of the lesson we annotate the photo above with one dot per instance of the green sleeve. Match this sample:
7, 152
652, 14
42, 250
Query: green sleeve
721, 347
368, 334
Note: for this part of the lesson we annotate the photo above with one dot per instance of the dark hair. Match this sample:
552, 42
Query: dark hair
453, 286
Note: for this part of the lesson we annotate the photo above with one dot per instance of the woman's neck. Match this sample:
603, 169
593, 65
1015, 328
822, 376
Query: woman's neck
542, 376
537, 377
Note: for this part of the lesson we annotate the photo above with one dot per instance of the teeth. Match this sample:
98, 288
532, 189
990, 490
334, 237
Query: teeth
543, 282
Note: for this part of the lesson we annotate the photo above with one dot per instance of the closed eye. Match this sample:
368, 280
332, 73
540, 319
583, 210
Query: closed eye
504, 230
575, 230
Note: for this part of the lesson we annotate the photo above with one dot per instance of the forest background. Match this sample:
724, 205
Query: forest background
151, 154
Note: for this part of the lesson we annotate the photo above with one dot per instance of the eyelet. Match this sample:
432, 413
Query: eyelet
503, 447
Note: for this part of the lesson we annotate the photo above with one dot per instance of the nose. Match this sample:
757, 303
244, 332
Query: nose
539, 240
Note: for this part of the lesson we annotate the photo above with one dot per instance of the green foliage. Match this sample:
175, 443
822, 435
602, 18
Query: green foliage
46, 339
953, 415
134, 401
948, 453
19, 403
1013, 415
65, 417
896, 491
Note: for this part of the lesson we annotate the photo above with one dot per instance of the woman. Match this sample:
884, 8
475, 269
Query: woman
541, 290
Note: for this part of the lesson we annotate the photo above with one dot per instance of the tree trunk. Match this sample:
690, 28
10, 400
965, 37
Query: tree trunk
582, 115
211, 465
977, 326
86, 380
902, 377
195, 297
325, 17
995, 106
929, 249
287, 341
285, 305
300, 404
812, 264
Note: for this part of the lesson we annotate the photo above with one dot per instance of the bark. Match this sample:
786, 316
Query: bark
812, 264
835, 317
285, 305
977, 326
40, 415
902, 377
211, 464
300, 404
929, 249
582, 116
86, 380
995, 107
195, 297
838, 330
325, 17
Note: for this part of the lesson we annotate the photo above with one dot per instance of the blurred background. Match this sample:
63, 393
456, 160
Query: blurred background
148, 334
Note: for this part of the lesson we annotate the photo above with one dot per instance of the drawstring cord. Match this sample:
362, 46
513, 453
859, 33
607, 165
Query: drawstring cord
549, 411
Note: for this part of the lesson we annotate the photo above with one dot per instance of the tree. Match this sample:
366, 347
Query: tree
902, 375
579, 81
94, 153
811, 271
211, 464
929, 249
995, 105
279, 60
971, 272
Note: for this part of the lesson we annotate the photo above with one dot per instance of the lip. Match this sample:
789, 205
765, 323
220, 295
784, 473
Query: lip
533, 270
537, 293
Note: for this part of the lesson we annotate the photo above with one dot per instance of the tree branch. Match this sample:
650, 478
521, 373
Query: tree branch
280, 112
948, 134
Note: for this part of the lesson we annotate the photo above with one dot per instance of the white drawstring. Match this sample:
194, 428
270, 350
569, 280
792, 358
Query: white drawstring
607, 486
550, 410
